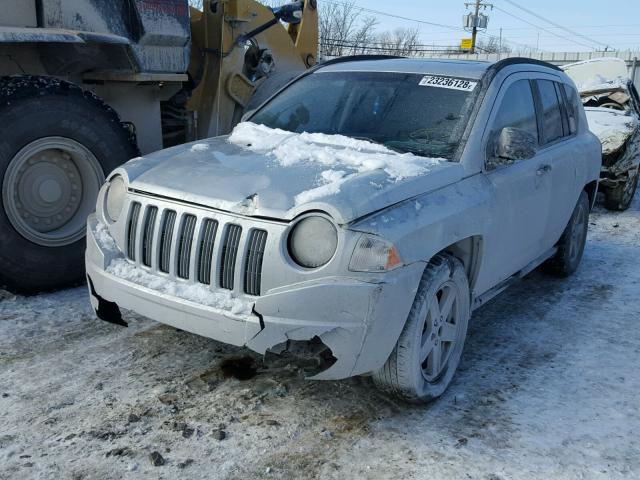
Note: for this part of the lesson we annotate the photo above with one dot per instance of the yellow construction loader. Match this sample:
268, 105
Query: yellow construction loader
85, 85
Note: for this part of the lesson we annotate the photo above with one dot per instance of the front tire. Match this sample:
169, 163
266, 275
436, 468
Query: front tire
58, 143
428, 352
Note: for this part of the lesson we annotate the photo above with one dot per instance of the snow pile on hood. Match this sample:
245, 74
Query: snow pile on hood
612, 127
196, 293
348, 156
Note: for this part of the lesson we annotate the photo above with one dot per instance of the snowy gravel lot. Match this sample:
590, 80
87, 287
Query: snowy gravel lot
549, 388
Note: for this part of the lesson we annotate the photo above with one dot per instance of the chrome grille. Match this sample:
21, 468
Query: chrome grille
147, 234
132, 230
166, 239
205, 255
253, 262
184, 245
208, 249
229, 254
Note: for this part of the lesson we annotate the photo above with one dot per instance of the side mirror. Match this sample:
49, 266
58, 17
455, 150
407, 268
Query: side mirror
515, 144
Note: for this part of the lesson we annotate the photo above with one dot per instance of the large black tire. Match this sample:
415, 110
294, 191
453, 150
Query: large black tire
620, 198
571, 245
435, 329
34, 110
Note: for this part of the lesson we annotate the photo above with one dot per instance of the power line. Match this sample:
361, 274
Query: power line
557, 25
542, 28
393, 15
424, 22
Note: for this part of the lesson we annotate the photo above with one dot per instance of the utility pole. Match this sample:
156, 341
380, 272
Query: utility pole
474, 32
476, 22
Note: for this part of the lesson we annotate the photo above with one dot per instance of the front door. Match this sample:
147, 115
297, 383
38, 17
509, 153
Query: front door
521, 190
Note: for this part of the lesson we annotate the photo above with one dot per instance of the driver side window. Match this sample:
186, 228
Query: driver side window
516, 111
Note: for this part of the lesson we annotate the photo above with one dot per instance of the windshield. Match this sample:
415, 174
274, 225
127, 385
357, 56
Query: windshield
392, 109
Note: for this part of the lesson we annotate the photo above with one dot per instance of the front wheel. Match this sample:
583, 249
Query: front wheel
58, 143
427, 354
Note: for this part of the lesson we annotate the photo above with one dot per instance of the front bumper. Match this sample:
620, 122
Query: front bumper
360, 321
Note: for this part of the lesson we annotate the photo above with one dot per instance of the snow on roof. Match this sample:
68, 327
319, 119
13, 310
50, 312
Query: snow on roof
598, 74
345, 157
612, 127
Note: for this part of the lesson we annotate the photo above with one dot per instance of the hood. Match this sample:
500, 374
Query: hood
271, 173
612, 127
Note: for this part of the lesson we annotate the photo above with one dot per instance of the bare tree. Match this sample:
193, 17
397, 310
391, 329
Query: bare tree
492, 45
401, 41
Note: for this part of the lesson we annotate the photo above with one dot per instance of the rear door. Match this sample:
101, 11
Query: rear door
521, 189
558, 126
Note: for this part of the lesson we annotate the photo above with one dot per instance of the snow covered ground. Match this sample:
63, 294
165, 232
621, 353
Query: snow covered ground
548, 388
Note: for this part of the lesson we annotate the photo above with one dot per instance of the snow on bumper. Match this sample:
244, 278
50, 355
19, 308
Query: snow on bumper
358, 320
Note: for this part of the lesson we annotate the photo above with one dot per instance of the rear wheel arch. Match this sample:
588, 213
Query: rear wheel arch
592, 189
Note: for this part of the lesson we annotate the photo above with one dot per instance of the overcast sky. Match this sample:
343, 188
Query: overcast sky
612, 23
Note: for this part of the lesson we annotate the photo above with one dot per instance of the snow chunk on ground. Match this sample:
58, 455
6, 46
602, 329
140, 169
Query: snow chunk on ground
192, 292
610, 126
200, 147
349, 156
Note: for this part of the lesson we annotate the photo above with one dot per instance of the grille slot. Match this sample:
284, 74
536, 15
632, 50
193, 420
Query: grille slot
147, 234
184, 245
166, 239
229, 255
253, 262
132, 230
205, 255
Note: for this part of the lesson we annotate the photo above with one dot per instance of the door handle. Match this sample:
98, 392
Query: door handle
544, 169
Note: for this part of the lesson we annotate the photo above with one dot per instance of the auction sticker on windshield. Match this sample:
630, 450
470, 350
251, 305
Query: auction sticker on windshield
448, 82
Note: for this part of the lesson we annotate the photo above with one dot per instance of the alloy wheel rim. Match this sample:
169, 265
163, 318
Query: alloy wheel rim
50, 188
439, 332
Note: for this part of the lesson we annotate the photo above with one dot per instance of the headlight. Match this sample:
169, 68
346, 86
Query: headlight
313, 242
115, 198
374, 254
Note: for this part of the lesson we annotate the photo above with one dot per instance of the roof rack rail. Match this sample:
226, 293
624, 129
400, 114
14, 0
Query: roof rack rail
500, 64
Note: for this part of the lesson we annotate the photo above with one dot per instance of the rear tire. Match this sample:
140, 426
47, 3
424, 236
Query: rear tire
620, 197
571, 245
428, 352
58, 144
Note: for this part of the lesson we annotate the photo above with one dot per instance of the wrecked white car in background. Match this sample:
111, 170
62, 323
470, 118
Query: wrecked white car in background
364, 211
613, 111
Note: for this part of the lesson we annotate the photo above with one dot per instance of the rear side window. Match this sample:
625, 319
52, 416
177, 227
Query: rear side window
551, 114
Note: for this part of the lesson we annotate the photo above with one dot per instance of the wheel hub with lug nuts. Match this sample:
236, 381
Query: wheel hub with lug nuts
49, 189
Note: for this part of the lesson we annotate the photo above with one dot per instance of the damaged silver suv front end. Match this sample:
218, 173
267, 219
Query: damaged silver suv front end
232, 278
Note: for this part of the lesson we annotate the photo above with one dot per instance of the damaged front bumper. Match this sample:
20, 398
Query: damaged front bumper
359, 320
